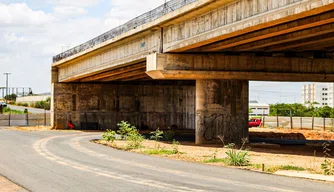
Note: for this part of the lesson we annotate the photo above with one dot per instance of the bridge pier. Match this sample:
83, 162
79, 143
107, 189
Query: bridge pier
221, 110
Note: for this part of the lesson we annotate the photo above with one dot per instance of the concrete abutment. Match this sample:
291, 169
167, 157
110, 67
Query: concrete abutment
151, 104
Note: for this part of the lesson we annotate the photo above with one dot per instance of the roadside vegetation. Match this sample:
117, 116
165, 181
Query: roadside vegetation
39, 104
300, 110
163, 143
134, 140
7, 111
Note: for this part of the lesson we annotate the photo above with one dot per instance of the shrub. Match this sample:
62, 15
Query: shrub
135, 140
109, 136
169, 135
237, 157
126, 129
157, 135
131, 134
328, 165
175, 146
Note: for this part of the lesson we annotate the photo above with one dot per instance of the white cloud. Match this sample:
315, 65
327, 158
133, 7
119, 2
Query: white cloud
21, 15
69, 11
73, 3
123, 10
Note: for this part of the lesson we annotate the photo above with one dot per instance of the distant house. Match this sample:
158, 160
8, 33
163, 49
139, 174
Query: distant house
259, 109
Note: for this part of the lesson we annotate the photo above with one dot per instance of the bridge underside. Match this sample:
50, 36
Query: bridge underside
201, 82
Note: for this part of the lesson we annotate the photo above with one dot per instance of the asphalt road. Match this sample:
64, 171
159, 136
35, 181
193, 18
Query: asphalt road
63, 161
31, 110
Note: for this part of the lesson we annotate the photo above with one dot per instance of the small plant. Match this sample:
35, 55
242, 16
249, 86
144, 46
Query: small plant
214, 155
126, 129
162, 151
157, 135
169, 135
175, 147
290, 167
328, 165
109, 136
237, 157
222, 139
216, 160
135, 140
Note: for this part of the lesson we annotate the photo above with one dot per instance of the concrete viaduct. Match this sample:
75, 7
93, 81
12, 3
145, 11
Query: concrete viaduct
187, 65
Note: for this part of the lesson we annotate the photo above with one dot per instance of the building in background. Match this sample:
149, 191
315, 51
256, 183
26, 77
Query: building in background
259, 109
320, 93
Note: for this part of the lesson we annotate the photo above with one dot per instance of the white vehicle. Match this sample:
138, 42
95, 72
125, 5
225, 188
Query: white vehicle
3, 104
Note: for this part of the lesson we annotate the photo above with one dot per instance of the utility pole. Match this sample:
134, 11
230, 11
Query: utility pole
6, 97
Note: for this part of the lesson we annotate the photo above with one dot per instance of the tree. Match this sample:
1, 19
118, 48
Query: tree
11, 97
324, 112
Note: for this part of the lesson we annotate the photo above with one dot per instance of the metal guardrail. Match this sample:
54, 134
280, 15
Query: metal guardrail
132, 24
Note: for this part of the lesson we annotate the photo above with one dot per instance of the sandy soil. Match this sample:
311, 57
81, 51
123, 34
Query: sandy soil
298, 134
308, 157
8, 186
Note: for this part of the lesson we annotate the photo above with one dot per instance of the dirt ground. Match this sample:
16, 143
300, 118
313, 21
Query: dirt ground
8, 186
294, 134
307, 156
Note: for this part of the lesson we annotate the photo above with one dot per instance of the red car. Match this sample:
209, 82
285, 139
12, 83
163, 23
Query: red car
254, 123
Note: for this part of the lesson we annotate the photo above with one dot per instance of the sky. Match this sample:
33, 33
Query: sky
33, 31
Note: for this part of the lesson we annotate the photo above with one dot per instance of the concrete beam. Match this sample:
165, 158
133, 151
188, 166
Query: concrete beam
137, 72
301, 24
290, 37
136, 77
114, 72
219, 66
304, 42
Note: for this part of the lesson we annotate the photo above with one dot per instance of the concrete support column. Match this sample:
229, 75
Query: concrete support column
221, 109
54, 80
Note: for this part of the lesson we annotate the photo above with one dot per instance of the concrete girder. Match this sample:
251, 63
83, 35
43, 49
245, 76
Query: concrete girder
330, 48
304, 42
290, 37
219, 66
324, 46
137, 72
136, 77
301, 24
114, 72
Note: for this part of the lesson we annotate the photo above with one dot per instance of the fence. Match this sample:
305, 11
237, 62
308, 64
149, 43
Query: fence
132, 24
25, 119
317, 123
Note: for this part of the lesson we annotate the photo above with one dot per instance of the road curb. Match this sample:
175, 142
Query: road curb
303, 175
8, 185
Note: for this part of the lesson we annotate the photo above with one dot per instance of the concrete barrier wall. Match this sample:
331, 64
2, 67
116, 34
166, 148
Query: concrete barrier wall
32, 99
